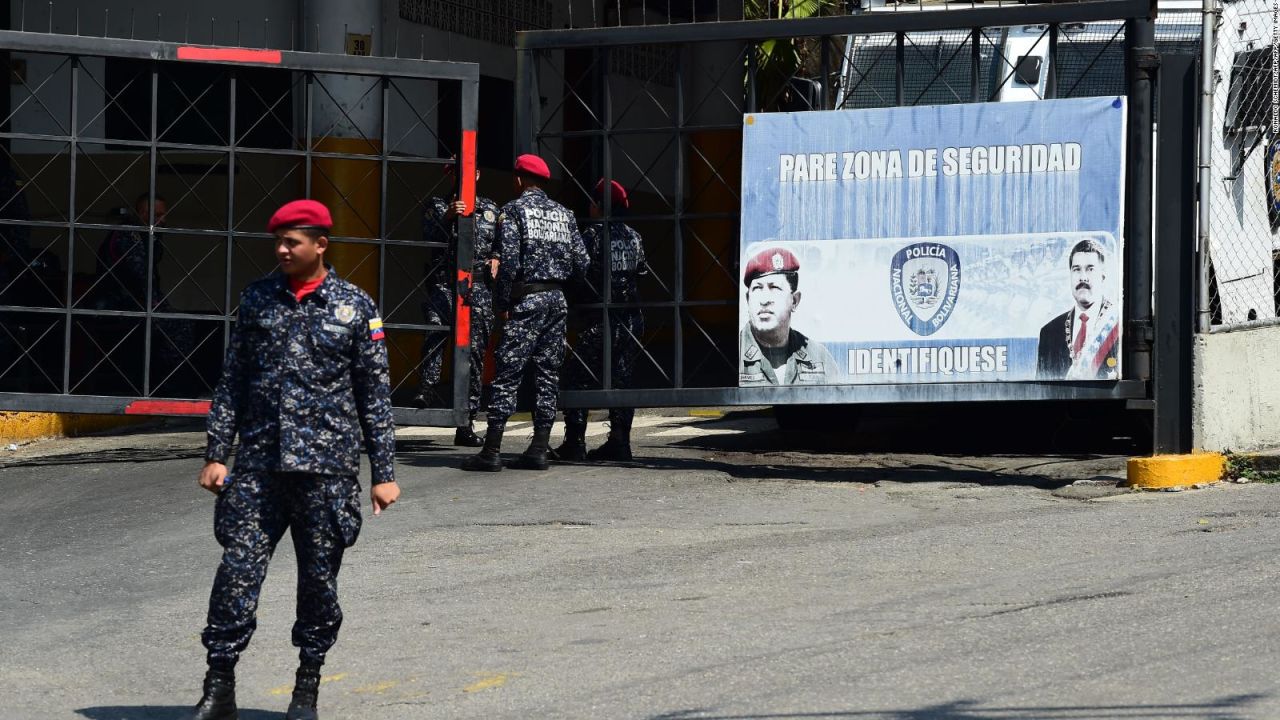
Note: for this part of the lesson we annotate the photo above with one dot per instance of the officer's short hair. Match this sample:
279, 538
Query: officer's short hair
792, 277
1087, 246
315, 233
531, 179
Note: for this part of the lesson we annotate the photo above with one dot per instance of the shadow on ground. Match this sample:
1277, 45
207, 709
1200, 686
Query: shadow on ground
162, 712
1226, 708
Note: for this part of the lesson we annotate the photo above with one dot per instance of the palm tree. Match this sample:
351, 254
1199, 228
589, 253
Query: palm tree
779, 61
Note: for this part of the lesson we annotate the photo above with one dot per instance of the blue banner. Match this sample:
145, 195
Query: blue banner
955, 243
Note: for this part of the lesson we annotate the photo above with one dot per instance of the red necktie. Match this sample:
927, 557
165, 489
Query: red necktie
1079, 343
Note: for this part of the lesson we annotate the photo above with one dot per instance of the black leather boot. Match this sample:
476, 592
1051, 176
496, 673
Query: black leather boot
306, 687
618, 446
535, 456
574, 447
489, 459
466, 437
219, 699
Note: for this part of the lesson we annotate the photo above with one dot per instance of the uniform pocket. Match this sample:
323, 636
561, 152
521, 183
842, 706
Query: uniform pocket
346, 513
225, 514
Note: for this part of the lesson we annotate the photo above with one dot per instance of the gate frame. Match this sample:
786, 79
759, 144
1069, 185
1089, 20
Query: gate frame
1141, 63
74, 46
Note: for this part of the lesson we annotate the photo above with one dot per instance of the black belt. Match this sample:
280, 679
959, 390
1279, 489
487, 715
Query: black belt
522, 290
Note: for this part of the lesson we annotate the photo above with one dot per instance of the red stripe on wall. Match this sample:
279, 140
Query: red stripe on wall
263, 57
167, 407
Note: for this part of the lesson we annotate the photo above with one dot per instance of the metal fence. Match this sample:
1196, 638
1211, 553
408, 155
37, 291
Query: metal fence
659, 107
1243, 194
136, 179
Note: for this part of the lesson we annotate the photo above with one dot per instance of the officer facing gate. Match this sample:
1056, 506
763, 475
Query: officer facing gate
626, 327
440, 223
540, 251
305, 377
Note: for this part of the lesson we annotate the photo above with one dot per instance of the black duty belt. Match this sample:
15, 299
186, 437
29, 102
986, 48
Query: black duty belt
521, 290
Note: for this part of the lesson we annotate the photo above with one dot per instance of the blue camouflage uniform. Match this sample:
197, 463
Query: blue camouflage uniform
438, 309
541, 250
626, 325
303, 382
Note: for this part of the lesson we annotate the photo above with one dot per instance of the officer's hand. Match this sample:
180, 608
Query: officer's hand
212, 476
493, 268
384, 495
458, 207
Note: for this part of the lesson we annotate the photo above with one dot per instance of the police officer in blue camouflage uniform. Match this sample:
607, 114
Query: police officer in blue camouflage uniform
626, 327
305, 378
540, 251
440, 224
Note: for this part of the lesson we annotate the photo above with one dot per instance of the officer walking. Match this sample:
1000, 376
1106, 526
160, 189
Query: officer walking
541, 250
626, 327
440, 224
305, 377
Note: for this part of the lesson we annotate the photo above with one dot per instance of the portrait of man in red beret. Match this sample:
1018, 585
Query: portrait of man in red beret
772, 352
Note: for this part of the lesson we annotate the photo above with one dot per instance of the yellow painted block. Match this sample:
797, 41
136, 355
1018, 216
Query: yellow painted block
1165, 471
23, 426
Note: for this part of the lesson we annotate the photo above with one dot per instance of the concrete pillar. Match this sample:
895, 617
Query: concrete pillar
347, 118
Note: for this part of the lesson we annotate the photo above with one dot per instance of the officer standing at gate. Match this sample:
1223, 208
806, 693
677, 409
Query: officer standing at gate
440, 224
541, 250
305, 377
626, 327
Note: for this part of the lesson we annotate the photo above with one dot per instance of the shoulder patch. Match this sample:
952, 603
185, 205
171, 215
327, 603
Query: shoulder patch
375, 329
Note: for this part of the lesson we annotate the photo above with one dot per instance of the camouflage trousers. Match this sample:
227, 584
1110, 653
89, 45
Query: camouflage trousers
438, 310
584, 368
322, 513
533, 336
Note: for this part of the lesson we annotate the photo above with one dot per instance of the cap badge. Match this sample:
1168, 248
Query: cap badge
777, 261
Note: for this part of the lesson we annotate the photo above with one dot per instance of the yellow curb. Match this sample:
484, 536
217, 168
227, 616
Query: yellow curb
706, 413
23, 426
1166, 471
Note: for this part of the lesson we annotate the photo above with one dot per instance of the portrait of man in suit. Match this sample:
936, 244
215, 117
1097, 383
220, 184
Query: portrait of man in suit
1081, 343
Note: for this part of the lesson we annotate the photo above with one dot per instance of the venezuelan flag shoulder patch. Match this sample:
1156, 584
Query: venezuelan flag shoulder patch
375, 329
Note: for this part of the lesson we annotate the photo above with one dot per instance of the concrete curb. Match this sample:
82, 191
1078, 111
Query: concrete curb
18, 427
1171, 471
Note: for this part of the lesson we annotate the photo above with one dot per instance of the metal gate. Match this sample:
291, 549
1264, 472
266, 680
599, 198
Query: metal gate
135, 185
659, 108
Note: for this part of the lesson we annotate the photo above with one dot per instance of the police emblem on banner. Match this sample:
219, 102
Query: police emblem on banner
924, 281
1272, 166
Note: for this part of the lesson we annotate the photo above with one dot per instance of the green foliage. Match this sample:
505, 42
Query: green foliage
1255, 468
781, 59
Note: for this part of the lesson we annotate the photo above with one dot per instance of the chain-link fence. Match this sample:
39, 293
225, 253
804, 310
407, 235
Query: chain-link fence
1244, 189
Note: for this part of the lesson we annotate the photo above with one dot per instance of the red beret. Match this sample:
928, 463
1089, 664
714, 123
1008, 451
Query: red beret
533, 165
768, 262
301, 213
617, 193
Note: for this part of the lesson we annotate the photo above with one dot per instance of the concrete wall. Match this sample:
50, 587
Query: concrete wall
1237, 390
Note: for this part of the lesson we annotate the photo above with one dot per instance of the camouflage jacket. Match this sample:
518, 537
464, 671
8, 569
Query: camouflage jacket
436, 229
626, 258
539, 243
303, 381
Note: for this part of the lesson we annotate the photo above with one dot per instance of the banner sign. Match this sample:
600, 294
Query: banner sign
957, 243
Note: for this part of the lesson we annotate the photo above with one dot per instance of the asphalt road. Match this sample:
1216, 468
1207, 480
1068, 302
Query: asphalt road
726, 574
